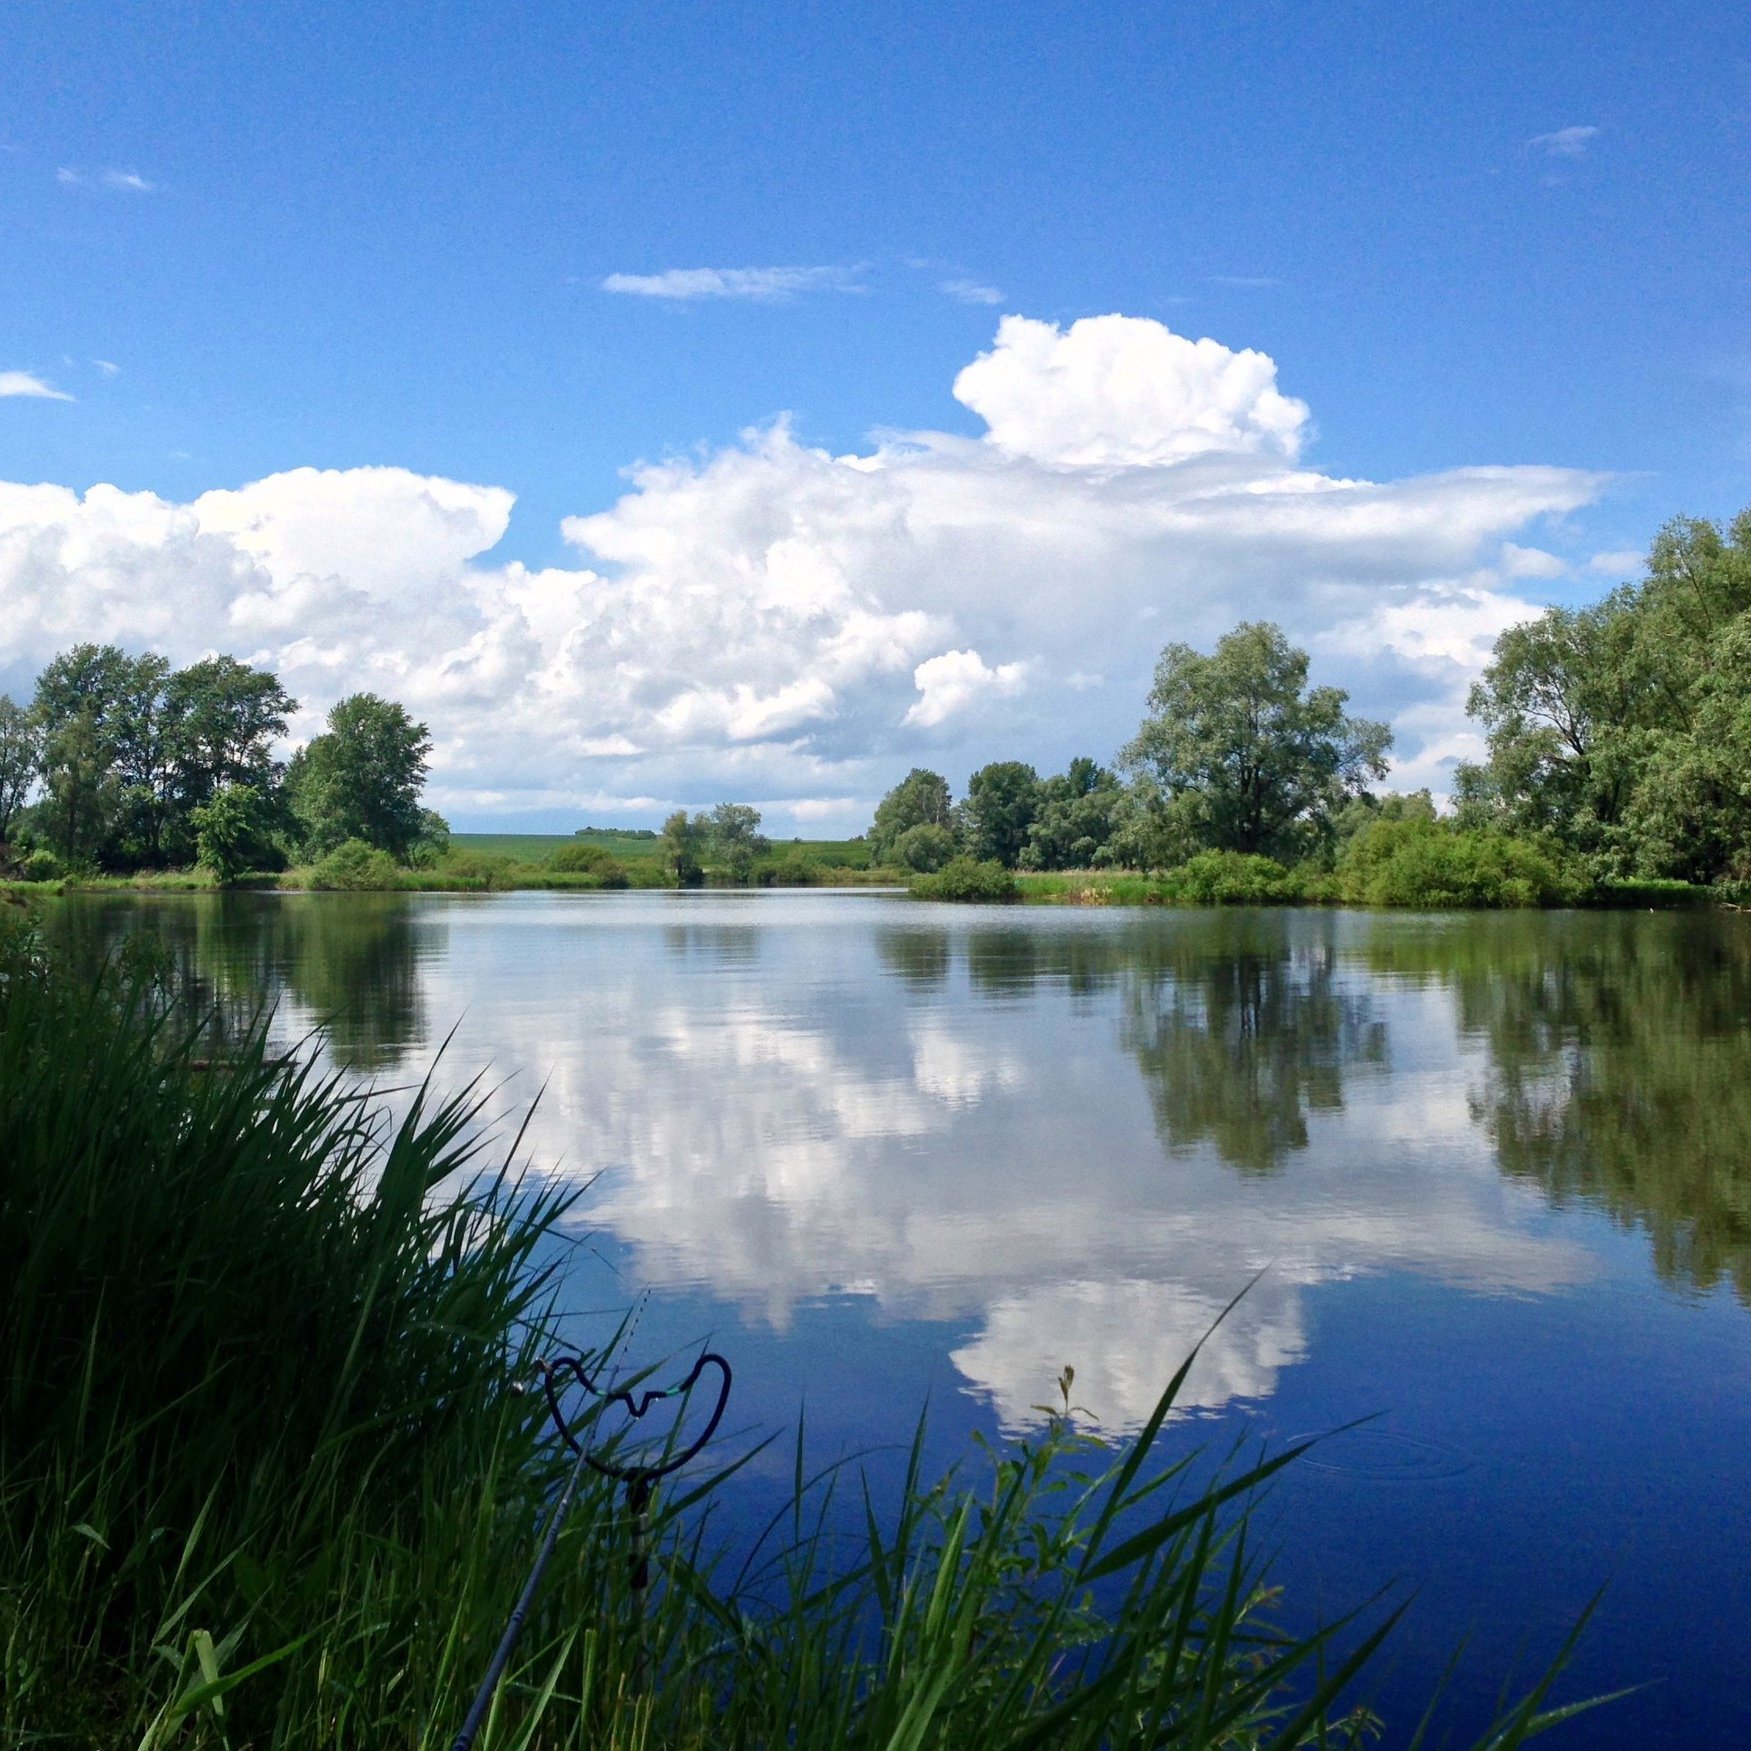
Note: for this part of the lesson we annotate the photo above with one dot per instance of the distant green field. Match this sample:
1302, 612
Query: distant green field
538, 847
633, 847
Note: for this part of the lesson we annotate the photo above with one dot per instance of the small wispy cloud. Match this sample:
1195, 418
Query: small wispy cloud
107, 366
762, 285
1257, 282
1621, 564
971, 291
1564, 143
28, 384
122, 181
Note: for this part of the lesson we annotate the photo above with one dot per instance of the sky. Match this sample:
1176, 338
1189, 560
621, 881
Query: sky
683, 403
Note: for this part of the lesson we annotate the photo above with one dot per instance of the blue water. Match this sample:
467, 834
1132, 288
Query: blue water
1489, 1179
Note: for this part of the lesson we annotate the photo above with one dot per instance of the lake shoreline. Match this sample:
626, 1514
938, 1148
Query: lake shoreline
1076, 888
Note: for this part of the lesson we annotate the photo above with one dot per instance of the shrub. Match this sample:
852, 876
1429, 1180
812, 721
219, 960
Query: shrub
41, 865
963, 879
475, 870
1230, 878
581, 859
355, 865
1436, 865
793, 870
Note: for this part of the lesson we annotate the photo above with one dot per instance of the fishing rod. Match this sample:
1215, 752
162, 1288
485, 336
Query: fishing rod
639, 1481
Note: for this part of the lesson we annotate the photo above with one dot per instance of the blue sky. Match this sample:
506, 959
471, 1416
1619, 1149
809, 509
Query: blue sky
378, 236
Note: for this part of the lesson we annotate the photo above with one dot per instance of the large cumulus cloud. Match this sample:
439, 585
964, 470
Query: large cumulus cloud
777, 623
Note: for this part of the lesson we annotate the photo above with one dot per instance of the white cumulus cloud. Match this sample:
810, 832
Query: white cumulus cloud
955, 679
775, 623
1119, 390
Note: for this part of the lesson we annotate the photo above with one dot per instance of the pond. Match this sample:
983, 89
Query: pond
1488, 1178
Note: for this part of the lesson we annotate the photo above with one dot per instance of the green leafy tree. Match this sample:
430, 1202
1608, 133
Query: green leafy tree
20, 762
732, 838
998, 810
925, 848
232, 832
920, 799
362, 779
223, 720
683, 841
1242, 754
1620, 730
1074, 823
82, 699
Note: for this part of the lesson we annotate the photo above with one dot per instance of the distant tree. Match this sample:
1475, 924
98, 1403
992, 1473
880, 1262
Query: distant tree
20, 762
233, 830
683, 840
999, 808
1075, 819
362, 779
1242, 754
733, 839
920, 799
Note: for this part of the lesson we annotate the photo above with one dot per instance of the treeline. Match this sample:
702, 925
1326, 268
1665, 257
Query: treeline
1620, 767
1236, 754
121, 763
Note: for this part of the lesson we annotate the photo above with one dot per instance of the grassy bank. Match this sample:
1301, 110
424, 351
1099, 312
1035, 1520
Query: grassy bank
262, 1481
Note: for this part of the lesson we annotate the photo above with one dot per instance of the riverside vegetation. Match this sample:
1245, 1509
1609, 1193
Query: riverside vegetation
263, 1481
1618, 772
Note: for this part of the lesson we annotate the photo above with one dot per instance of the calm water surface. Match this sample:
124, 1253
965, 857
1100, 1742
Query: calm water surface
1495, 1172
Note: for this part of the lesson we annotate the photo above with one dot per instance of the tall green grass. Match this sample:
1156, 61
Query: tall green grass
263, 1481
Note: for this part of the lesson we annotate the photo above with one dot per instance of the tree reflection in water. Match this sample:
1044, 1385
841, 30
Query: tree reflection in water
349, 962
1241, 1030
1619, 1068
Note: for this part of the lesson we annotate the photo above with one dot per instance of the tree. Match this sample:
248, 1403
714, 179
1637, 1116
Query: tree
362, 779
925, 848
683, 838
231, 831
1074, 823
20, 761
224, 718
1620, 730
82, 699
1000, 804
732, 837
1243, 753
920, 799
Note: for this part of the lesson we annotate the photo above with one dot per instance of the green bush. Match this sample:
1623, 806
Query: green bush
1230, 878
579, 858
355, 865
793, 870
41, 865
474, 870
1436, 865
963, 879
